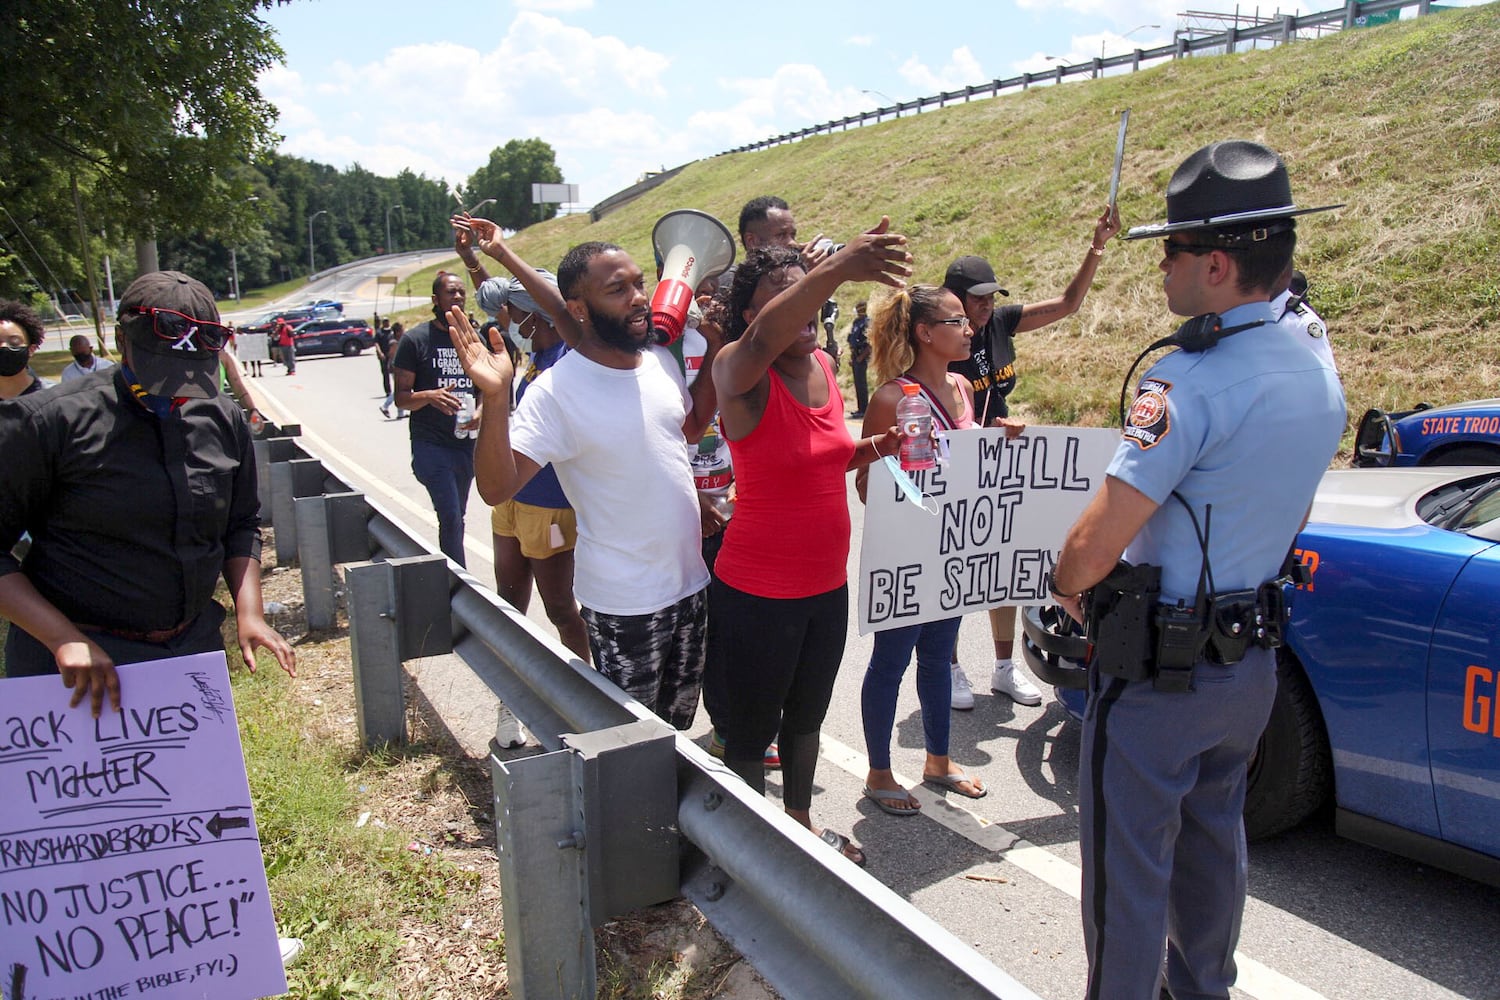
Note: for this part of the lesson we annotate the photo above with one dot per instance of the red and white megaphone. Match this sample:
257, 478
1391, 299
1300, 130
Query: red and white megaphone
691, 246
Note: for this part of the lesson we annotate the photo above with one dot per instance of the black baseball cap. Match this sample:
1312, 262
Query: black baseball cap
972, 276
167, 367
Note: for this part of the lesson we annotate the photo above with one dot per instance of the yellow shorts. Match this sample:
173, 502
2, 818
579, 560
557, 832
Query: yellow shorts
542, 531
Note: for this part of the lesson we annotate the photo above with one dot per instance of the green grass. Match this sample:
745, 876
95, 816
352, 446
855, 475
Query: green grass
1400, 122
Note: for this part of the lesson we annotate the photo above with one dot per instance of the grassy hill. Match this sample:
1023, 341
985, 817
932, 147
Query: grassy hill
1401, 122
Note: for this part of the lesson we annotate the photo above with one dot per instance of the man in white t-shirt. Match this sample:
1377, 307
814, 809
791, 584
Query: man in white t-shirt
85, 361
610, 417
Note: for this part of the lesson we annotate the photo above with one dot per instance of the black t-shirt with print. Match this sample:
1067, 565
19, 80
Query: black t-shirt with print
428, 352
991, 368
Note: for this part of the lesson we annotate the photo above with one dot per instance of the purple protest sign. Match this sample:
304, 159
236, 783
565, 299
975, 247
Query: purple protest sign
130, 864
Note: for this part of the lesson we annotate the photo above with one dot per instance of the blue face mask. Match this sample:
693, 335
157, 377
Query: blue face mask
909, 488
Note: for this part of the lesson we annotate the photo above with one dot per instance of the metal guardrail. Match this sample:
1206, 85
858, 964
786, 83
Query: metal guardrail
576, 845
1282, 30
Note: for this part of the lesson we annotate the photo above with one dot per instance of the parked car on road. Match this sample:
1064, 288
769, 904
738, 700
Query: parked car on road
294, 316
327, 305
333, 336
1456, 434
1389, 695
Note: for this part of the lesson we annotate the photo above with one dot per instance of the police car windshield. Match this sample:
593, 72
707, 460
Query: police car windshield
1471, 506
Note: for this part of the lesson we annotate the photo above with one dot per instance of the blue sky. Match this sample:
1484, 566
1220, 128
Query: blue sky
621, 88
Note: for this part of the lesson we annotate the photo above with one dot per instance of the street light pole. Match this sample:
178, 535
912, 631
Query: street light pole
312, 267
1139, 27
234, 264
389, 246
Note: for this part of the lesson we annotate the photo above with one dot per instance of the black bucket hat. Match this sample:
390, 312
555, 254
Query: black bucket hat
1227, 184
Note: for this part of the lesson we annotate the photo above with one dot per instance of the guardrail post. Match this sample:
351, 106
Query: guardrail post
330, 530
398, 610
544, 891
583, 834
297, 477
268, 450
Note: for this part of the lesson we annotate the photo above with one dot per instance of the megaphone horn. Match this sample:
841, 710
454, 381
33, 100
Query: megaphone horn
691, 246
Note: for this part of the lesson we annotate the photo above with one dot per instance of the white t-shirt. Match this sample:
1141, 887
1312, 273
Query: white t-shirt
74, 370
614, 437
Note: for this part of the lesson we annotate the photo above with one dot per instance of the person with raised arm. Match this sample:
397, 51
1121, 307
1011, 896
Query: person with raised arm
780, 593
638, 569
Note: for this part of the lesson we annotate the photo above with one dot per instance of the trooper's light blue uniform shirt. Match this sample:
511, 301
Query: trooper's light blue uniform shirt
1258, 414
1247, 427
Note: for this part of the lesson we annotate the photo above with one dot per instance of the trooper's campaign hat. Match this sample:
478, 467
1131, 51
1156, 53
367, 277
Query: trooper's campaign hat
1230, 184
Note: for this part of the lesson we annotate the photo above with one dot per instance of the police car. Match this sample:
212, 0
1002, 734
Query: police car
1457, 434
1389, 696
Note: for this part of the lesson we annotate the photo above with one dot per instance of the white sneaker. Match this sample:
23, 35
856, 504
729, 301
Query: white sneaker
508, 729
291, 950
1009, 680
963, 691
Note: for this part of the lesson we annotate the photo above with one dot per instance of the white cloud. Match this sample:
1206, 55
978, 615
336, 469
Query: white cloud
440, 108
861, 40
962, 70
561, 5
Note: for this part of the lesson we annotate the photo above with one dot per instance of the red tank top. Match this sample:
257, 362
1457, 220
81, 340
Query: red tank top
789, 536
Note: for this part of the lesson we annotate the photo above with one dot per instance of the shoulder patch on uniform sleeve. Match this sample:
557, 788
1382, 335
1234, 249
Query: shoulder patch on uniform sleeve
1315, 329
1149, 420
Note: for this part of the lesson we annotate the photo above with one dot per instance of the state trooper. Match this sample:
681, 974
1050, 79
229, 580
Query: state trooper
1289, 303
1220, 456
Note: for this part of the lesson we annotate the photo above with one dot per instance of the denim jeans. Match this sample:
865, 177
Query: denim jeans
933, 642
447, 474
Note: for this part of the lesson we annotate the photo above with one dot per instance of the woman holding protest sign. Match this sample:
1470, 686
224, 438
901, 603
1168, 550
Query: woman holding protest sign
778, 603
915, 334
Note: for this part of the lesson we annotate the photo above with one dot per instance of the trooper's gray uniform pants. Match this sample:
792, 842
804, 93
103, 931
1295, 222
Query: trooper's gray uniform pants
1161, 794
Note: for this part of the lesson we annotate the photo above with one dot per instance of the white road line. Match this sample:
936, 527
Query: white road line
348, 469
1255, 979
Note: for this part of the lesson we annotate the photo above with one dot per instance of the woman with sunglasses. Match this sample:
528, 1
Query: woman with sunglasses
915, 334
779, 599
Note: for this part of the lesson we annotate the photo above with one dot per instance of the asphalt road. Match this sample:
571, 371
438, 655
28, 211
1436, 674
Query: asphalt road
1326, 917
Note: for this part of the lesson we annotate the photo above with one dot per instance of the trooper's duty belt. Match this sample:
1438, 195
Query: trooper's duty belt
1136, 637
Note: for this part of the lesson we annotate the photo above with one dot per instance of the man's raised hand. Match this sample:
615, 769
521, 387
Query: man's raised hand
491, 372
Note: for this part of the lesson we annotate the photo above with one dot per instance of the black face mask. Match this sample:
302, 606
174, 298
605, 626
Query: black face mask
83, 360
13, 360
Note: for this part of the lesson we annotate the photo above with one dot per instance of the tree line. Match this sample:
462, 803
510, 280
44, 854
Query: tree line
136, 138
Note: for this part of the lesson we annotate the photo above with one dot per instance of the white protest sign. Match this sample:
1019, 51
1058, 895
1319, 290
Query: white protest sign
130, 864
1003, 510
251, 347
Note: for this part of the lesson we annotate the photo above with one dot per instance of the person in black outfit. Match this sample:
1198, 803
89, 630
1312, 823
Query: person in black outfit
432, 384
382, 348
138, 491
859, 357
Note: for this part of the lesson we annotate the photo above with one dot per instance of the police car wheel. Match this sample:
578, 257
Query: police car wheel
352, 348
1292, 770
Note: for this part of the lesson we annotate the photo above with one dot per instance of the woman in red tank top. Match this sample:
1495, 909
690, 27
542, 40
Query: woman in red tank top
778, 603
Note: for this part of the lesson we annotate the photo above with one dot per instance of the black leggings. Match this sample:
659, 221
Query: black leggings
772, 668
